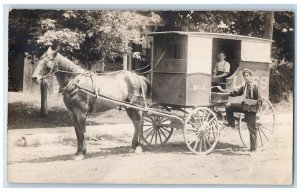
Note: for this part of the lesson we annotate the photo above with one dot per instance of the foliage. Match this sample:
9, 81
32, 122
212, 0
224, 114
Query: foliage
85, 35
284, 36
249, 23
281, 82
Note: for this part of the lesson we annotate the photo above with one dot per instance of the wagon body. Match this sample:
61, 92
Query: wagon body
182, 64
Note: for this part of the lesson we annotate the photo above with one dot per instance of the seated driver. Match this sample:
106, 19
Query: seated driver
221, 70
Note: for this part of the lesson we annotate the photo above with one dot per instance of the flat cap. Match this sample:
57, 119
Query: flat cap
246, 70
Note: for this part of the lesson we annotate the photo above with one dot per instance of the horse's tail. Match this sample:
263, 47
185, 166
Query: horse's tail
148, 85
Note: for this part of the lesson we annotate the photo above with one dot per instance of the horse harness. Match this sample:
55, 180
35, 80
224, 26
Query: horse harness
75, 84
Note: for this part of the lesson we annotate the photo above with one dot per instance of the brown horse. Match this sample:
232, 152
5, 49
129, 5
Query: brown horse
122, 86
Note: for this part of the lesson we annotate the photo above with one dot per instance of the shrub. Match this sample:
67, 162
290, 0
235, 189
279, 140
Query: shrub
281, 82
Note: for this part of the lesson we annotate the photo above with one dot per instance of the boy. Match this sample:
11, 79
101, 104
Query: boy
250, 91
221, 70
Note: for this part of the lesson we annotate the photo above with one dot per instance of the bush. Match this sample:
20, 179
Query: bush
281, 82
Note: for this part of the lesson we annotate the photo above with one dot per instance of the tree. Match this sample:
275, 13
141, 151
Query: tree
85, 35
249, 23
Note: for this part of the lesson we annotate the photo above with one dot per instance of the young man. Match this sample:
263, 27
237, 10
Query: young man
249, 91
221, 70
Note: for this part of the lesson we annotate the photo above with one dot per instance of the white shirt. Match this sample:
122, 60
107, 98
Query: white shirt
223, 66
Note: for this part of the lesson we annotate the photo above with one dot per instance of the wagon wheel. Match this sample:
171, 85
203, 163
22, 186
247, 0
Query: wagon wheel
201, 130
156, 129
265, 124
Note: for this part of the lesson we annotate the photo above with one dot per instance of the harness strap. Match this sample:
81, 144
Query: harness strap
94, 85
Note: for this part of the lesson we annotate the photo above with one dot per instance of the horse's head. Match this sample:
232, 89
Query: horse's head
45, 65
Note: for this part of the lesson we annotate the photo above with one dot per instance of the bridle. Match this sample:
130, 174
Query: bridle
52, 71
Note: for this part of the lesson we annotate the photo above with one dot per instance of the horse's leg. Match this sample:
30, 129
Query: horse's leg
78, 112
80, 129
136, 118
76, 127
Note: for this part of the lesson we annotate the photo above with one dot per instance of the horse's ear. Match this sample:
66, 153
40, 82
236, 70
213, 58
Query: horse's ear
56, 50
49, 50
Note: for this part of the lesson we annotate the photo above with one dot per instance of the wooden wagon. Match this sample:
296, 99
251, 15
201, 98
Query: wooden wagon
182, 64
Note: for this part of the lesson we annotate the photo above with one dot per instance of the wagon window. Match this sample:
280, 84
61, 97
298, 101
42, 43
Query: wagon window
180, 51
232, 50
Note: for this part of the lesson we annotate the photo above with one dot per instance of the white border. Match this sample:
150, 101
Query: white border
157, 4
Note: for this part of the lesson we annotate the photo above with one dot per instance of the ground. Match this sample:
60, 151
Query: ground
40, 152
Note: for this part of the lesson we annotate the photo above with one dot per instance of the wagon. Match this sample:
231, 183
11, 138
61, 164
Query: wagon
182, 94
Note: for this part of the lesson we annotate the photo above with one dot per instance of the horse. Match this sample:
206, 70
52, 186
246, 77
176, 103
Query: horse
124, 86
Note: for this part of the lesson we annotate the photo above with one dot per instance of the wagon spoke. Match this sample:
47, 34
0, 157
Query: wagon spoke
207, 141
211, 120
200, 146
259, 138
211, 137
155, 136
191, 129
163, 133
210, 127
203, 140
260, 130
150, 134
190, 142
212, 132
265, 128
148, 129
196, 145
147, 125
166, 129
208, 115
263, 112
150, 121
159, 135
161, 122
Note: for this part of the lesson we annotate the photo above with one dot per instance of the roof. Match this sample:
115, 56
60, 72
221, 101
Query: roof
212, 35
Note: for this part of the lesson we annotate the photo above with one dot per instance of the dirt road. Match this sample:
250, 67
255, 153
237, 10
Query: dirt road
45, 158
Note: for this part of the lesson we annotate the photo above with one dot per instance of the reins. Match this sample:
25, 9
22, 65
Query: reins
140, 73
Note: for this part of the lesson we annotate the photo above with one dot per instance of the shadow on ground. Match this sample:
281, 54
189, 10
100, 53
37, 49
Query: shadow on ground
22, 115
173, 148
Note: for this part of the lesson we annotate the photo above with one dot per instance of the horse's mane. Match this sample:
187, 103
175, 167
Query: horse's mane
66, 64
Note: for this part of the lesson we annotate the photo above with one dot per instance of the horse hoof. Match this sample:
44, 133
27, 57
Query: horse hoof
77, 157
139, 149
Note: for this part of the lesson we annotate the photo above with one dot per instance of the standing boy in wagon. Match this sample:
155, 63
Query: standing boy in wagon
250, 106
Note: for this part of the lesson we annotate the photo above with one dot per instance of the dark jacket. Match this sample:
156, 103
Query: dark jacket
256, 93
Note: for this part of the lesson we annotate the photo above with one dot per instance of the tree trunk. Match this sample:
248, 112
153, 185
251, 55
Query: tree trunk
268, 28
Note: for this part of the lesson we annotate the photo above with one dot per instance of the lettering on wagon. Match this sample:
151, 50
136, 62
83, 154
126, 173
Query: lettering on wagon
261, 81
198, 87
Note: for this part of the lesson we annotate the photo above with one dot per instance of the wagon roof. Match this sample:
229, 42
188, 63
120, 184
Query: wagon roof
213, 35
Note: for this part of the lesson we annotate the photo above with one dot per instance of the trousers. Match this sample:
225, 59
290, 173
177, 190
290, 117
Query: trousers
250, 119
